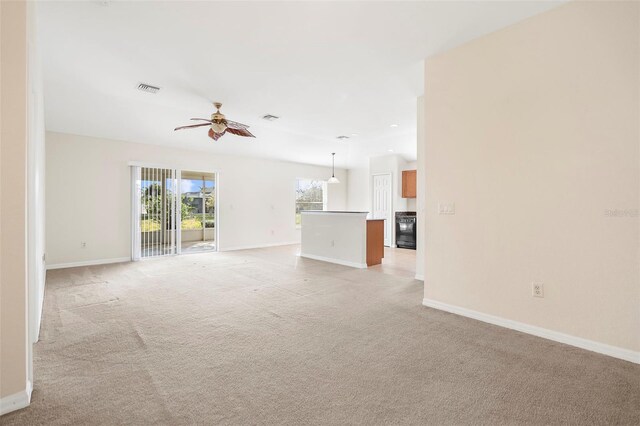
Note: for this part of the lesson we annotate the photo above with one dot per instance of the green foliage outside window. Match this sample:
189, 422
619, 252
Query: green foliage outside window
151, 215
309, 196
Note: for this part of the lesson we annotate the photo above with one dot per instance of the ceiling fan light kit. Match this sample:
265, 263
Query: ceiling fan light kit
219, 125
333, 178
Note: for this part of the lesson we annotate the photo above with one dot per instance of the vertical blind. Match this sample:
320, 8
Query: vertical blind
156, 192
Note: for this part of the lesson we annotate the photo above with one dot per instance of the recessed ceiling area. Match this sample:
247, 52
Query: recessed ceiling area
326, 69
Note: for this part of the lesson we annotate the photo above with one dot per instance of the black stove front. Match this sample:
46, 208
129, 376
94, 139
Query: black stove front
406, 230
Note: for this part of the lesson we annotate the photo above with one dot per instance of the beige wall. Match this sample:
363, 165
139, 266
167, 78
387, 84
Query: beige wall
89, 200
533, 131
13, 199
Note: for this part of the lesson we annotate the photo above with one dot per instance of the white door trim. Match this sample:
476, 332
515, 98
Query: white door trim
135, 213
178, 209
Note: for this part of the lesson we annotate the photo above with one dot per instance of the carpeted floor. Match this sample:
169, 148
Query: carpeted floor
264, 337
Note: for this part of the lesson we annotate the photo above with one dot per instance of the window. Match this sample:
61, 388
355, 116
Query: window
310, 195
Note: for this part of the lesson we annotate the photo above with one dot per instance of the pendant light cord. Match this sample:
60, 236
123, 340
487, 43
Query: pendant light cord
333, 164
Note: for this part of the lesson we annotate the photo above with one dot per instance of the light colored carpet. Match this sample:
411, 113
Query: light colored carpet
264, 337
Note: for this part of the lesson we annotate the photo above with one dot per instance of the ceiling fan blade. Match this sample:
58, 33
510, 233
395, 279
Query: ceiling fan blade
236, 125
193, 125
240, 132
201, 119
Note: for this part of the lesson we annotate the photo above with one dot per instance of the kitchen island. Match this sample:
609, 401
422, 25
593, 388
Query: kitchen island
346, 238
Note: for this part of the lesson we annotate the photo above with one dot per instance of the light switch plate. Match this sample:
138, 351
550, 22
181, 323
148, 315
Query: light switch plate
447, 208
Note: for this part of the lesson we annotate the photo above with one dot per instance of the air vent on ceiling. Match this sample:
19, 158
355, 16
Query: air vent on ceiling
148, 88
270, 117
342, 137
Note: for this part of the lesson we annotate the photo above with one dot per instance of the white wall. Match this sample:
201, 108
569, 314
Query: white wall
533, 131
88, 196
358, 190
35, 179
335, 237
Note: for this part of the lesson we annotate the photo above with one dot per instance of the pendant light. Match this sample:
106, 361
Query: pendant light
333, 178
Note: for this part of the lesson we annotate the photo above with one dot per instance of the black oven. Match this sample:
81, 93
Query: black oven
406, 230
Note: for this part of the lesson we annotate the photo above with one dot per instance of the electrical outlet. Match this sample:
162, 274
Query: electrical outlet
83, 245
333, 243
537, 290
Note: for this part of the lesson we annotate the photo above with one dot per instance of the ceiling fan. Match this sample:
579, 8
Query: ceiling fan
219, 125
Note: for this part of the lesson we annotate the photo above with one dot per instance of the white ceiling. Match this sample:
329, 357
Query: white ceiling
327, 68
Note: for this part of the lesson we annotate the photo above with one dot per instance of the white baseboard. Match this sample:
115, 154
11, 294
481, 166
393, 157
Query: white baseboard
258, 246
419, 277
590, 345
337, 261
128, 259
88, 263
16, 401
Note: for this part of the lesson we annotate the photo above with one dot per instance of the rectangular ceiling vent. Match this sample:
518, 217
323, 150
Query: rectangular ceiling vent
270, 117
148, 88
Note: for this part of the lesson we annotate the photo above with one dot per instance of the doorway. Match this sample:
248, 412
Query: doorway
197, 212
382, 208
173, 212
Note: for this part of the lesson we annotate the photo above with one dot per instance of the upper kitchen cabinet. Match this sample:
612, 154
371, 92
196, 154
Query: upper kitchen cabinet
409, 183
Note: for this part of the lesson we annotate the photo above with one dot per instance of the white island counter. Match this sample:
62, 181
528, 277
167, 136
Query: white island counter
342, 237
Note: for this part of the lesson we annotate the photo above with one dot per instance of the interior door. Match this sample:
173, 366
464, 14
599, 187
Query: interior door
382, 203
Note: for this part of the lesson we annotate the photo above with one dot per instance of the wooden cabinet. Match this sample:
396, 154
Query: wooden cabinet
409, 183
375, 241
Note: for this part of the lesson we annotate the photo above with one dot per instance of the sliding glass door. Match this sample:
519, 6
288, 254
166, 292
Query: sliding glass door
197, 211
173, 211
